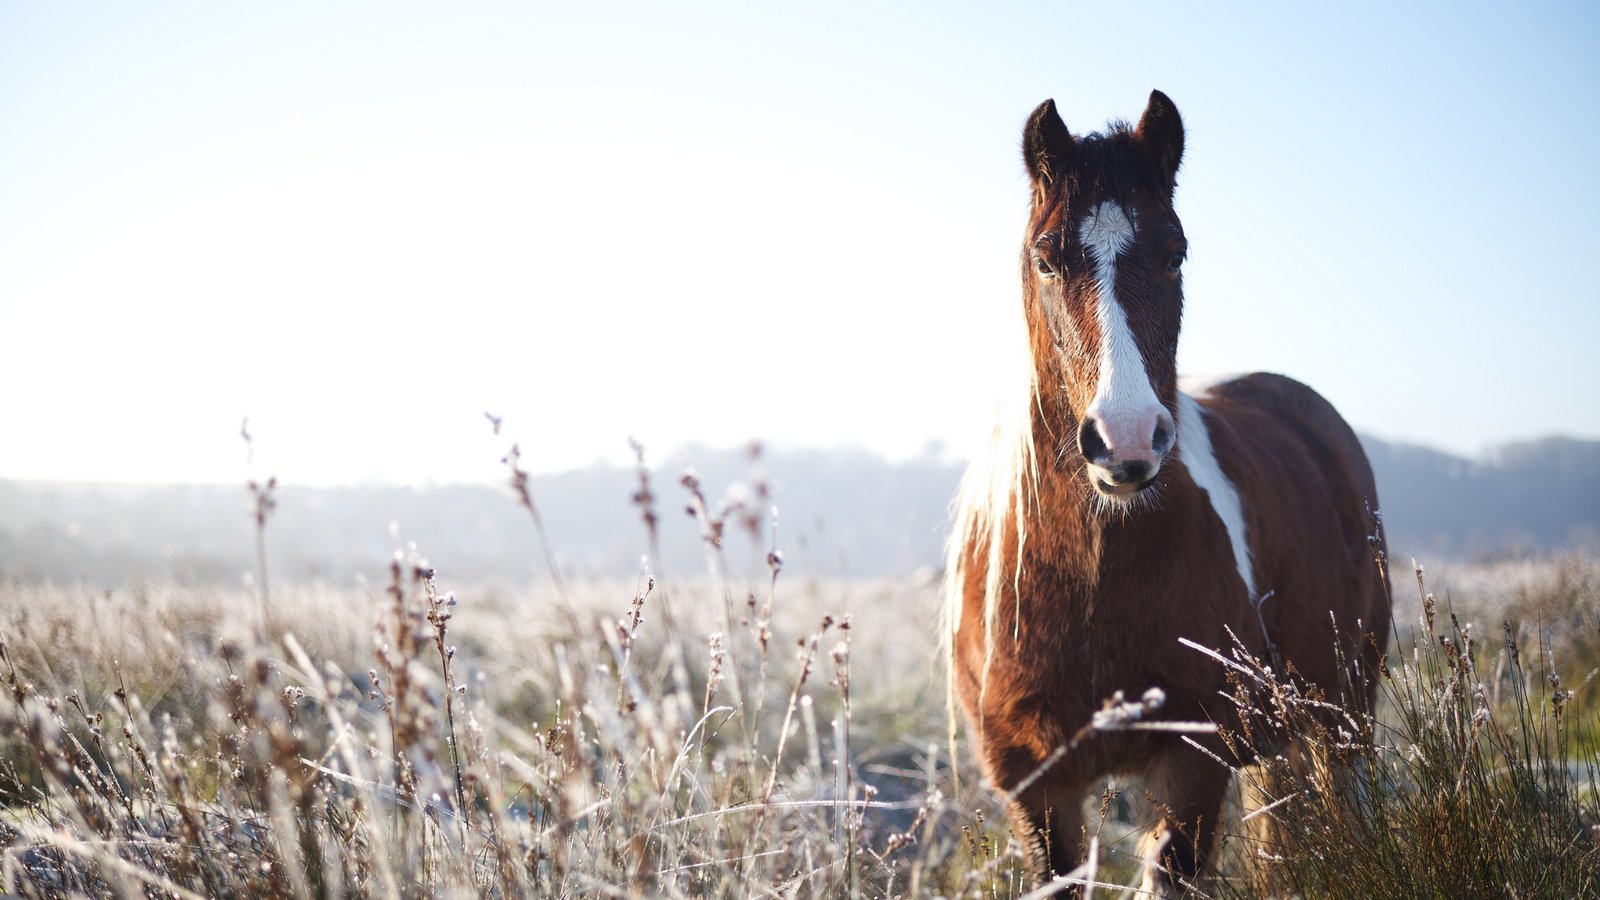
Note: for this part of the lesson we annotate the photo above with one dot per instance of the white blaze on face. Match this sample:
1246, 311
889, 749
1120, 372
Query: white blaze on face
1125, 406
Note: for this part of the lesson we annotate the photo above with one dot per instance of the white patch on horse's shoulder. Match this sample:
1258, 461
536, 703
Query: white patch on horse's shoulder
1194, 449
1201, 385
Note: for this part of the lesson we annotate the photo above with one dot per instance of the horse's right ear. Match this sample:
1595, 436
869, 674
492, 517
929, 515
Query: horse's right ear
1046, 145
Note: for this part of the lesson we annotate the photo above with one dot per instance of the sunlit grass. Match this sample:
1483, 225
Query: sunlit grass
746, 732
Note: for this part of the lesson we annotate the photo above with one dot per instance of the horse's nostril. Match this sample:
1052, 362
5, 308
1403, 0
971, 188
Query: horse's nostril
1162, 441
1094, 448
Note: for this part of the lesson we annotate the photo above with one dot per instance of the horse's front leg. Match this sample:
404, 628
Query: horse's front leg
1051, 833
1046, 815
1187, 788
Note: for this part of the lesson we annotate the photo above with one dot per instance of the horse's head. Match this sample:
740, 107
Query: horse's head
1102, 273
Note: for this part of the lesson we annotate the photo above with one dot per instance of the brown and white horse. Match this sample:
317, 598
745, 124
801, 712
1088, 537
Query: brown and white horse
1117, 514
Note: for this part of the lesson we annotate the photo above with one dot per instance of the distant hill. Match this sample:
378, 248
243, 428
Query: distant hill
842, 512
1532, 496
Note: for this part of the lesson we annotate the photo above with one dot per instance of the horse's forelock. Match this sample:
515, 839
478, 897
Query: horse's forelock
1106, 166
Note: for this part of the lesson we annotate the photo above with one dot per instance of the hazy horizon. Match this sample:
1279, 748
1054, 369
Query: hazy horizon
835, 514
665, 464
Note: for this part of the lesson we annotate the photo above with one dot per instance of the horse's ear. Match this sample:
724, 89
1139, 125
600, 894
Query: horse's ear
1160, 132
1046, 145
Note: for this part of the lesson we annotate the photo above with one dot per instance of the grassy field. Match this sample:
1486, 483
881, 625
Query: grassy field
744, 731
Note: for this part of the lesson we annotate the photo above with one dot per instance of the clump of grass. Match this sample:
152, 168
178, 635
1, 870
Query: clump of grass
1471, 779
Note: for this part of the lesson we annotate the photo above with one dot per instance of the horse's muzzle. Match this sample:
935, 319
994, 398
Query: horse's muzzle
1125, 454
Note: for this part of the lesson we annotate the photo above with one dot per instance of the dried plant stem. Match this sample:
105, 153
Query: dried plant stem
519, 486
439, 615
645, 499
808, 656
264, 502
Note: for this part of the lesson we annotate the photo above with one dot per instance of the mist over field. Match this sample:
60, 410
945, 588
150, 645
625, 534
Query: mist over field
842, 513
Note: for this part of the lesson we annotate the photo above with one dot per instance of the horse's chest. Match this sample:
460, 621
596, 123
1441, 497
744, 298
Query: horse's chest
1086, 659
1074, 659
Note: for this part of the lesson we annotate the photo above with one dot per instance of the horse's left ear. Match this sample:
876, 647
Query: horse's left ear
1160, 132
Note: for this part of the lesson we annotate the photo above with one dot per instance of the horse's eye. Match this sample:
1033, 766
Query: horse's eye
1176, 262
1043, 265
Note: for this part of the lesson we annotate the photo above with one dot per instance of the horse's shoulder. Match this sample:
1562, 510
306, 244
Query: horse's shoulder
1264, 414
1266, 394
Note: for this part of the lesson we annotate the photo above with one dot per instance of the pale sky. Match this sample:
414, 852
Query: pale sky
363, 225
